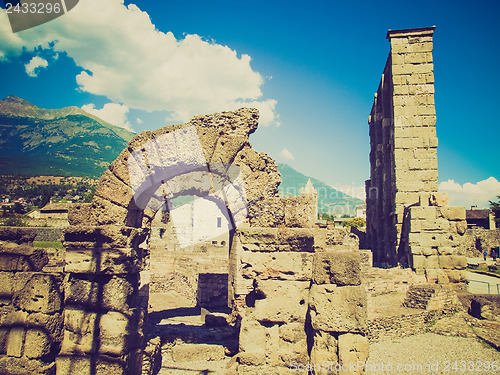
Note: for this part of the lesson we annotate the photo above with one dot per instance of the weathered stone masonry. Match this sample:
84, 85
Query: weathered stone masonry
407, 221
285, 277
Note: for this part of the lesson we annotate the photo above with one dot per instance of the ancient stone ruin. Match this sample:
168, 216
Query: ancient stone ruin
409, 222
298, 293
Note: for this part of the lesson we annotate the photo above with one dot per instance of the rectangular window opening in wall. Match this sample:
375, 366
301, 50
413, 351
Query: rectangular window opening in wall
219, 222
214, 242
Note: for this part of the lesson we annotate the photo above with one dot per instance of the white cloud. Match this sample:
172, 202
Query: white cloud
285, 154
469, 194
126, 59
115, 114
34, 66
138, 120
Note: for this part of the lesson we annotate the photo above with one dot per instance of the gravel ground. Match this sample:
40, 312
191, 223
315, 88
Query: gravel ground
432, 354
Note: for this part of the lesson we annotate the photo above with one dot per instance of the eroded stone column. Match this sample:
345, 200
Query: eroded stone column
103, 319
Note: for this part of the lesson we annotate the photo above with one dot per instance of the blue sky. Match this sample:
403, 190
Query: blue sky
310, 67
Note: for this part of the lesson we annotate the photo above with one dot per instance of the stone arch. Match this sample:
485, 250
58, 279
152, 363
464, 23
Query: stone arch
208, 156
203, 156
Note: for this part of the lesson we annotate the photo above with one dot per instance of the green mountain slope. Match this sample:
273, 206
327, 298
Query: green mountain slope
330, 200
66, 141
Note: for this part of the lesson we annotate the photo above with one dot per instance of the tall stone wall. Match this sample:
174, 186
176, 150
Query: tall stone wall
403, 139
408, 223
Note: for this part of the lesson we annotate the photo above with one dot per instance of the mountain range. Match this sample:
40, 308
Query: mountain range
66, 141
330, 200
71, 142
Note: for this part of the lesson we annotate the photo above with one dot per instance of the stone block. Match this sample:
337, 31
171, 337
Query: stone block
407, 199
461, 226
452, 262
276, 239
300, 211
227, 148
25, 366
418, 58
15, 339
438, 276
456, 276
410, 186
104, 212
425, 153
41, 293
82, 291
283, 302
292, 332
440, 199
114, 190
338, 309
324, 349
265, 213
425, 239
106, 237
353, 350
446, 250
252, 359
120, 293
37, 343
114, 333
422, 164
293, 352
341, 268
440, 224
22, 258
6, 287
422, 250
281, 265
102, 261
453, 213
420, 47
252, 336
18, 235
79, 333
425, 262
71, 365
51, 324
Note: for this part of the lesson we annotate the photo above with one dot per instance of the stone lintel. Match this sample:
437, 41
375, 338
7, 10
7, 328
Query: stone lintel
420, 31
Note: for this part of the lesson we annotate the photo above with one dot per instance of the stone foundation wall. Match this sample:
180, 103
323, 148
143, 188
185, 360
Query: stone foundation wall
49, 234
84, 320
31, 307
301, 297
381, 281
430, 297
394, 327
478, 240
433, 243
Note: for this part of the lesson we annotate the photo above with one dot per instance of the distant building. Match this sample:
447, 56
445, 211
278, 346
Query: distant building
54, 211
483, 218
361, 211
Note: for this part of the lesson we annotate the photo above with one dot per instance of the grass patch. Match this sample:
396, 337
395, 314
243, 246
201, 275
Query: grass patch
48, 244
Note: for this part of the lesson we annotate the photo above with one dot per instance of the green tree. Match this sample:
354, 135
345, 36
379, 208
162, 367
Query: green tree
357, 222
495, 207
